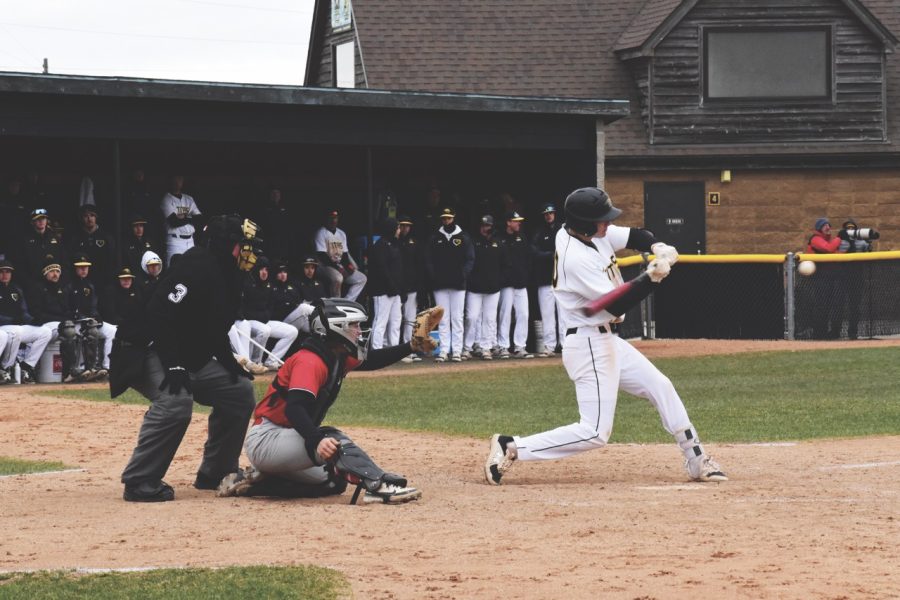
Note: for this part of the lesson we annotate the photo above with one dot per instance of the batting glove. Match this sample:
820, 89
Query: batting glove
658, 270
665, 252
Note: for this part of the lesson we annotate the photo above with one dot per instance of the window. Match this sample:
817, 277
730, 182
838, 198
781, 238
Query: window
767, 63
344, 65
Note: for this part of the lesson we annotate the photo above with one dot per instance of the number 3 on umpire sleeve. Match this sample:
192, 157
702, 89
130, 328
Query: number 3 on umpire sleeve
179, 293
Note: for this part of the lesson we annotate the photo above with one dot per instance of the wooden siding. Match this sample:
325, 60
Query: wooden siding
679, 117
323, 74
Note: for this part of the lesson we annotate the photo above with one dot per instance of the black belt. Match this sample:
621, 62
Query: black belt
613, 328
184, 237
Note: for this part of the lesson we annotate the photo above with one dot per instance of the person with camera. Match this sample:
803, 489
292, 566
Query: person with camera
854, 239
849, 296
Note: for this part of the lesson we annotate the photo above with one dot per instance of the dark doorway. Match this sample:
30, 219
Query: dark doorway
676, 214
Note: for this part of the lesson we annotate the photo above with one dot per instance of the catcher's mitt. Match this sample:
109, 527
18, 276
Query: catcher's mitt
426, 322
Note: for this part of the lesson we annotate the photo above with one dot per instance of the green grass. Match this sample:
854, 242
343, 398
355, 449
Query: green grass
15, 466
311, 583
748, 397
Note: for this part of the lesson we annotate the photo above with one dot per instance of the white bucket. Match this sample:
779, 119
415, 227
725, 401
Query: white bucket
49, 367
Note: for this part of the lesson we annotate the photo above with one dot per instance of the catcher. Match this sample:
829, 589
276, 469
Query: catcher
292, 455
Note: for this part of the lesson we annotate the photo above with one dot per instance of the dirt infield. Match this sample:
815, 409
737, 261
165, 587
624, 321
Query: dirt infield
806, 520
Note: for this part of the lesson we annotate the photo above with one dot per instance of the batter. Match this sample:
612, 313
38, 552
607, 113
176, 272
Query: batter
596, 359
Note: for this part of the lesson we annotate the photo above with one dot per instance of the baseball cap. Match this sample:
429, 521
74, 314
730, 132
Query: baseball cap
514, 216
125, 273
849, 224
548, 208
310, 260
81, 260
39, 213
404, 220
50, 266
331, 214
137, 219
448, 212
821, 222
280, 266
88, 208
5, 265
487, 220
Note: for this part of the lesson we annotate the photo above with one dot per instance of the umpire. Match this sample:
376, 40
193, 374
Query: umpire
186, 357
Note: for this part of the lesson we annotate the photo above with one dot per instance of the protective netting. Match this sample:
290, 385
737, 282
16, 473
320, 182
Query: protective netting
736, 297
848, 300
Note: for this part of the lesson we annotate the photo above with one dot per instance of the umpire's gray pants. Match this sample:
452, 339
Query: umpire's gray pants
169, 415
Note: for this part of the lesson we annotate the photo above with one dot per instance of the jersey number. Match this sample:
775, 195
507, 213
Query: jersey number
179, 293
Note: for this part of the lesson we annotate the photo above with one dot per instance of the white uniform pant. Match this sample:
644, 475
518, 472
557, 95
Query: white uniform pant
409, 311
600, 365
299, 317
481, 320
450, 329
261, 332
386, 323
513, 299
108, 331
549, 315
354, 281
9, 346
177, 245
281, 451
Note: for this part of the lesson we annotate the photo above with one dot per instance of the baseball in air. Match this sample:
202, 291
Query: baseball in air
806, 267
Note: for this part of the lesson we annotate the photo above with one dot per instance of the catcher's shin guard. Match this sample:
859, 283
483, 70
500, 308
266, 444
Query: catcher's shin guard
354, 465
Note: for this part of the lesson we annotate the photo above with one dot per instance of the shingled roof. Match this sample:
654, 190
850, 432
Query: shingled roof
558, 48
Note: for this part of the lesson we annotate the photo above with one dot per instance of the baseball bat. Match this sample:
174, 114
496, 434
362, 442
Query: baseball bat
260, 346
604, 301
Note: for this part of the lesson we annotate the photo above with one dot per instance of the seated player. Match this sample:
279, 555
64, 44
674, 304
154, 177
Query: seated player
292, 454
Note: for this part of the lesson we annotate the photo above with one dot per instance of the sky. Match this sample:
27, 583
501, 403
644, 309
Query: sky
245, 41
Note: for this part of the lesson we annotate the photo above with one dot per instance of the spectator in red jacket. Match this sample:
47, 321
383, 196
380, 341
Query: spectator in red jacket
822, 242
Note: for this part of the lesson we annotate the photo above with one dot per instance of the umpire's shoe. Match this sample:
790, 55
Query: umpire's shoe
149, 491
500, 458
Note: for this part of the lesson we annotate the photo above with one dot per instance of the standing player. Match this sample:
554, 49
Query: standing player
544, 247
412, 275
596, 359
483, 293
385, 281
180, 212
514, 293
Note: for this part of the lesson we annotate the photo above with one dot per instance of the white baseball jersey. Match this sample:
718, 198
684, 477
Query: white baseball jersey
332, 244
179, 206
583, 272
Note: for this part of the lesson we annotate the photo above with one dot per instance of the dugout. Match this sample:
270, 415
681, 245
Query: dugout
326, 148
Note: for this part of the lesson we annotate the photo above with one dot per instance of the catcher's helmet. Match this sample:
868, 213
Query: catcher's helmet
331, 320
585, 207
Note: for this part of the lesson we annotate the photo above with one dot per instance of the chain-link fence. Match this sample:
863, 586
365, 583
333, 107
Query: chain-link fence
764, 297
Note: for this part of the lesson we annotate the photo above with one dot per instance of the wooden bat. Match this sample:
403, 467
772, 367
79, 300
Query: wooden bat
606, 300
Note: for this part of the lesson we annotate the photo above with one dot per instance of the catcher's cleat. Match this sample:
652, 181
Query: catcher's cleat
389, 493
499, 461
239, 483
149, 492
704, 468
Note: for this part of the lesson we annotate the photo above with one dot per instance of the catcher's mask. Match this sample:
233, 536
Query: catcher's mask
333, 320
235, 235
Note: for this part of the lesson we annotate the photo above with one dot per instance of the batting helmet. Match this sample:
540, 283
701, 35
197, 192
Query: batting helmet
331, 320
585, 207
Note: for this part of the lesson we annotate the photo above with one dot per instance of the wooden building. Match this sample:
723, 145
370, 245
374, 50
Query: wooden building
749, 119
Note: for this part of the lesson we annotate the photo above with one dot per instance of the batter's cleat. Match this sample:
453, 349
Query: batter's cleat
388, 493
149, 492
499, 461
704, 468
239, 483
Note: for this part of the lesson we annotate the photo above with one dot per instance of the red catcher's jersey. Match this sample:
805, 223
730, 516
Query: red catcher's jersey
304, 370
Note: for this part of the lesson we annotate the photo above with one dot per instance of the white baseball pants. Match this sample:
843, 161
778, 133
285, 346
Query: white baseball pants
386, 323
450, 329
8, 339
108, 331
549, 315
513, 299
261, 332
299, 317
34, 338
600, 364
481, 320
177, 245
409, 310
